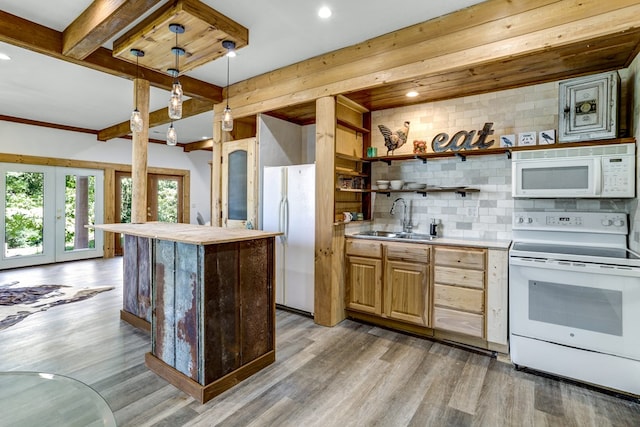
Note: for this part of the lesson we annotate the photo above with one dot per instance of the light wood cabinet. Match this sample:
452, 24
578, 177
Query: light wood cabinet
448, 292
388, 280
459, 283
406, 292
406, 283
364, 276
364, 280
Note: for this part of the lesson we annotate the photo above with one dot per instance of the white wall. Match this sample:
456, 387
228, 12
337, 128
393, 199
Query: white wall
39, 141
283, 143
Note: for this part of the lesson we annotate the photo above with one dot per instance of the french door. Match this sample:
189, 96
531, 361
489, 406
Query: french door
164, 200
45, 212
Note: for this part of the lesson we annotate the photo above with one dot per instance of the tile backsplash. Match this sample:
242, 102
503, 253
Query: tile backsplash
486, 214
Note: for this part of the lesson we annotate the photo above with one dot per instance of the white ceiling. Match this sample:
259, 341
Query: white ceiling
281, 32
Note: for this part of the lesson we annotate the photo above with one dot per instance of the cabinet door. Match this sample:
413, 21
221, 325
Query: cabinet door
406, 292
364, 284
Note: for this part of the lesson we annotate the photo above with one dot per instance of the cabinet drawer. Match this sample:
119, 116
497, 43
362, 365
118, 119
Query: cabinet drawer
460, 257
459, 277
368, 248
458, 321
459, 298
407, 252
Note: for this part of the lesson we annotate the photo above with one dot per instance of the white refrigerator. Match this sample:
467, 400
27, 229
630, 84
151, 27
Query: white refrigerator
289, 206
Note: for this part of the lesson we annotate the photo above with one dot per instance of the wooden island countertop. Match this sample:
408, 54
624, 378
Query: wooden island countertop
186, 233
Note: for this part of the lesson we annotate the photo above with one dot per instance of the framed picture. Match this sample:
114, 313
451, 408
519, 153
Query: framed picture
547, 137
588, 107
527, 138
507, 140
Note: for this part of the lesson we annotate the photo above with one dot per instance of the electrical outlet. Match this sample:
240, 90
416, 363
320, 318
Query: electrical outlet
472, 211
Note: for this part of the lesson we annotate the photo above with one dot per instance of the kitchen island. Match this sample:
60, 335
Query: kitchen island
209, 299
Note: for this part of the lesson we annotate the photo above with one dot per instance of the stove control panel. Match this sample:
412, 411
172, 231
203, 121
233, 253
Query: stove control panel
595, 222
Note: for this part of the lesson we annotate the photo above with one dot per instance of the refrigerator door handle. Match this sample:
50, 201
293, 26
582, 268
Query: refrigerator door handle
286, 218
281, 219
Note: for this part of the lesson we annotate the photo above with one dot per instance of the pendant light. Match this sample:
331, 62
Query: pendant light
172, 135
136, 124
227, 116
175, 101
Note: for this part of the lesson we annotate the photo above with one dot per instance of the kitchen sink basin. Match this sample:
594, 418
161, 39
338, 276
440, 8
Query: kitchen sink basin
379, 233
414, 236
394, 235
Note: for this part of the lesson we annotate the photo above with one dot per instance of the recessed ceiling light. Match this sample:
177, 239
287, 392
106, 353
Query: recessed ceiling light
324, 12
205, 137
412, 94
4, 57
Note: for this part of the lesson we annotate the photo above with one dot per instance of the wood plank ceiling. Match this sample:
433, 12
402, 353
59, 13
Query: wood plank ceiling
526, 43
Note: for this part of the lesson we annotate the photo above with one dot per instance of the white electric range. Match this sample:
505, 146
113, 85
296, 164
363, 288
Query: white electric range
574, 298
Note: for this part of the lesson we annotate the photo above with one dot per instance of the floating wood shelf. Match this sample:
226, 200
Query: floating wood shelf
459, 190
499, 150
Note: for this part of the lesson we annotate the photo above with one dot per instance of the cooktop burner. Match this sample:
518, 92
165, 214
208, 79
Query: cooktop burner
590, 237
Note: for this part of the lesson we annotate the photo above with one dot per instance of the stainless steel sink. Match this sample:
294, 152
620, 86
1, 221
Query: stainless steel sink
414, 236
393, 235
378, 233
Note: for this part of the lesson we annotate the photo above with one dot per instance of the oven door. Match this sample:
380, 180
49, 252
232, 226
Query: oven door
588, 306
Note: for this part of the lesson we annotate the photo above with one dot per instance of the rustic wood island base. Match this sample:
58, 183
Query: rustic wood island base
212, 302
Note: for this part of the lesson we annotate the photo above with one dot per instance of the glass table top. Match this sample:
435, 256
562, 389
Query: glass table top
39, 399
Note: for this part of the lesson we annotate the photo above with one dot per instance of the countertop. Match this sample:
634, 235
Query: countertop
474, 243
187, 233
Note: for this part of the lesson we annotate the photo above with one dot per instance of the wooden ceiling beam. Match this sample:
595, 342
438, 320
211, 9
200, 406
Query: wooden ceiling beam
207, 144
100, 22
38, 38
490, 32
190, 107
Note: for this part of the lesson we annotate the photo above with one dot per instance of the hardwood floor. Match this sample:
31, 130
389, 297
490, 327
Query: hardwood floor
350, 375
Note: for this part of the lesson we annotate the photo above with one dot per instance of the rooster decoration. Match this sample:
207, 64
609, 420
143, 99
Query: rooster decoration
394, 140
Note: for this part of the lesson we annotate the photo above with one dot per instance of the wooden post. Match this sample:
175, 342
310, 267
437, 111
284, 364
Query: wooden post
326, 291
139, 155
216, 167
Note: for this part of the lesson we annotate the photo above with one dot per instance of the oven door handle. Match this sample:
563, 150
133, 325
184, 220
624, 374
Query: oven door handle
574, 266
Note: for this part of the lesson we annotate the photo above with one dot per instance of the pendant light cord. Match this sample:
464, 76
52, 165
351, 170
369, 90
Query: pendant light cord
227, 80
177, 59
137, 78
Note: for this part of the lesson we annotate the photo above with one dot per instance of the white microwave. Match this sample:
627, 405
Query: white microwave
592, 171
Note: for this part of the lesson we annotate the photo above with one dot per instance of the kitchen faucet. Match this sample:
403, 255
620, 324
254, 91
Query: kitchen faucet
406, 222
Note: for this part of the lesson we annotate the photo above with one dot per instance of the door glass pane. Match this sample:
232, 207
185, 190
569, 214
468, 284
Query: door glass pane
569, 177
79, 211
591, 309
125, 199
167, 200
237, 199
24, 213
